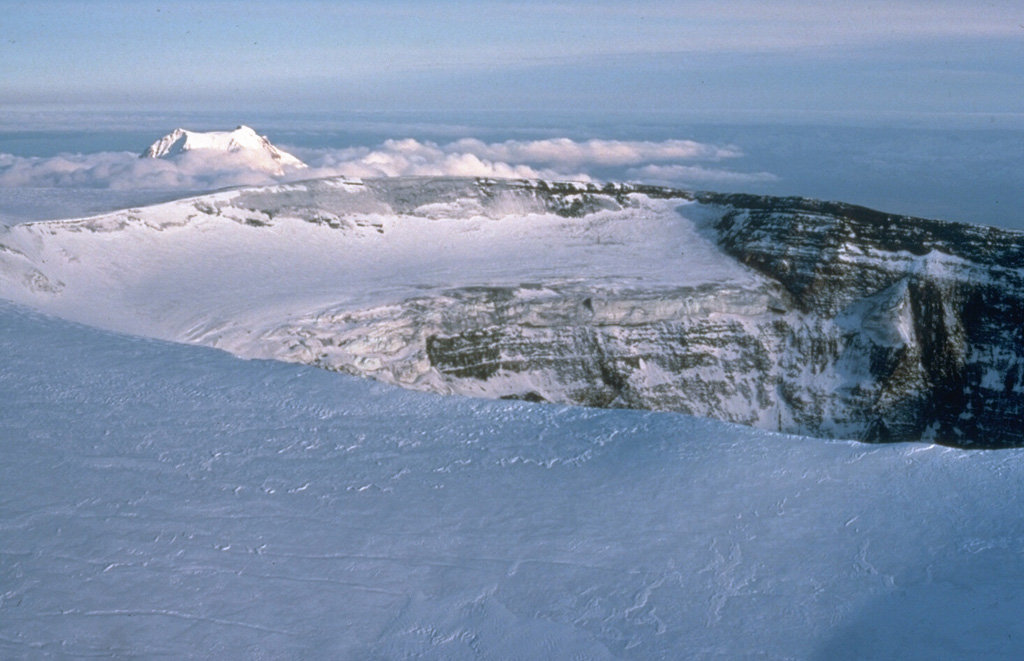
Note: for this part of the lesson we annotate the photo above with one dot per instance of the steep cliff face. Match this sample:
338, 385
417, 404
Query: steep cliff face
956, 293
691, 350
863, 325
780, 313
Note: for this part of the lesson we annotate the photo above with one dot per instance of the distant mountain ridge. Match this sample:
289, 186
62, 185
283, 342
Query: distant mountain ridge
256, 149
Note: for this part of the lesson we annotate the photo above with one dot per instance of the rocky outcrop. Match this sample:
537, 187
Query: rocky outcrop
954, 292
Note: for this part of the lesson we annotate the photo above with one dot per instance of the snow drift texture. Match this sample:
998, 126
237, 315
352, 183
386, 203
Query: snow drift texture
163, 500
783, 314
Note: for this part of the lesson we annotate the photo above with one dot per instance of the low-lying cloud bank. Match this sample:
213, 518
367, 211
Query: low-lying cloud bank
696, 175
675, 162
126, 171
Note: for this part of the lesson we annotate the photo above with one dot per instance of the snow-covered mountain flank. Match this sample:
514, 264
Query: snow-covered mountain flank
244, 143
783, 314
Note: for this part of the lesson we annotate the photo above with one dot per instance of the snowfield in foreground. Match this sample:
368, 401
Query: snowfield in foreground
165, 500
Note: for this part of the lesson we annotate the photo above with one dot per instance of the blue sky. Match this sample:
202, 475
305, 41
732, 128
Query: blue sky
649, 55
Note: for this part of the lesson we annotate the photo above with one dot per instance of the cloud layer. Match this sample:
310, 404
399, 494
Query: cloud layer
695, 175
126, 171
680, 162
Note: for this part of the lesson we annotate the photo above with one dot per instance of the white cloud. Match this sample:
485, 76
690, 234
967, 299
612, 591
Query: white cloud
556, 158
675, 161
695, 175
126, 171
568, 153
397, 158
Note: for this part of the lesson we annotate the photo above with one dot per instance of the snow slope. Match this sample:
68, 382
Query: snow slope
252, 148
165, 500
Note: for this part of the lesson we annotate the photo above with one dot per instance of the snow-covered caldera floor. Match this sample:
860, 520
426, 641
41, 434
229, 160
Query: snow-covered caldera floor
251, 257
783, 314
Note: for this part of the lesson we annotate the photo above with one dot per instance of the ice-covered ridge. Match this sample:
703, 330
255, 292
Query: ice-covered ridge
244, 142
791, 315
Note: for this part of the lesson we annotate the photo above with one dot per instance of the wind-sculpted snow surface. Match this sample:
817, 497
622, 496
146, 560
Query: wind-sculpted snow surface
158, 500
783, 314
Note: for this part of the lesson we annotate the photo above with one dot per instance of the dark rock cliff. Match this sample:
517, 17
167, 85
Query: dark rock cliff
962, 288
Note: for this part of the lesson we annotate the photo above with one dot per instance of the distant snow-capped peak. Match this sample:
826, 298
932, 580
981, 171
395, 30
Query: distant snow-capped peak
256, 150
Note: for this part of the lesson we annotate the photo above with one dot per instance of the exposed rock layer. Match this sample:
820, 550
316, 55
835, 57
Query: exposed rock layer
865, 325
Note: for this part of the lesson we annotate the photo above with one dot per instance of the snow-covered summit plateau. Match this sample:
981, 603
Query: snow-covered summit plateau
256, 150
784, 314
